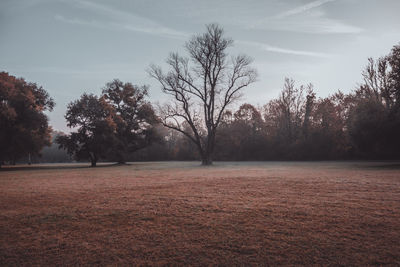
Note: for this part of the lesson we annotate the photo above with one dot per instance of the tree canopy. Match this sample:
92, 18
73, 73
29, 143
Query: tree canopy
24, 125
109, 127
202, 86
134, 118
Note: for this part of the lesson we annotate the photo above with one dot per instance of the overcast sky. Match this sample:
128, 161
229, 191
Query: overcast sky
75, 46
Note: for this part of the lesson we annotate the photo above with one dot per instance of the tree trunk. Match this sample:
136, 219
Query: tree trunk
93, 163
206, 156
206, 159
93, 159
120, 155
121, 160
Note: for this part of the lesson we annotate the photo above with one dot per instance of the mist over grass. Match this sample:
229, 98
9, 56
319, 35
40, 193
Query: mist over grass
231, 213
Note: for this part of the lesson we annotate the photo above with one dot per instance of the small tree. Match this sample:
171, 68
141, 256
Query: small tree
24, 128
202, 86
93, 118
111, 126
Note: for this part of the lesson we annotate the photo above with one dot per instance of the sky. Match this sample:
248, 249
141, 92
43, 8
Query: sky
74, 46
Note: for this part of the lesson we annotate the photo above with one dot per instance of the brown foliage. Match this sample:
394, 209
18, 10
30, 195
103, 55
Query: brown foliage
23, 125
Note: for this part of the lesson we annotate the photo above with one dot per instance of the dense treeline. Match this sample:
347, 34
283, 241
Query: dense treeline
121, 124
297, 125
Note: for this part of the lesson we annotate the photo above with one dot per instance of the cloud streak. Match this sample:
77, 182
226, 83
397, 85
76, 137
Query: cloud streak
275, 49
303, 8
315, 25
306, 19
121, 20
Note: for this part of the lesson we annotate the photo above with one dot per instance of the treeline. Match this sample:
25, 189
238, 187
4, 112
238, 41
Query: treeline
299, 125
121, 124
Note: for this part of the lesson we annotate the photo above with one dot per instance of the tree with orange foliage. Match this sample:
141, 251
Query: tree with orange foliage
24, 128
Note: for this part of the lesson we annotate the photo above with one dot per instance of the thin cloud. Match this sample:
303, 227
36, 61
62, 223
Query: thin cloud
307, 18
78, 21
303, 8
121, 20
315, 25
275, 49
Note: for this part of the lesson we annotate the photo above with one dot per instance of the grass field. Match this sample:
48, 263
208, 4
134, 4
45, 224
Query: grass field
179, 213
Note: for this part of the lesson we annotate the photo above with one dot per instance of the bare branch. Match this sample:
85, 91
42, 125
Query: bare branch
206, 86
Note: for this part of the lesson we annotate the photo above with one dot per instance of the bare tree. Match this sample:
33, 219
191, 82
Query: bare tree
202, 86
377, 84
287, 111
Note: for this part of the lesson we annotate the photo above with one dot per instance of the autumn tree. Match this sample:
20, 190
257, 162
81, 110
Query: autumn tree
394, 75
24, 125
134, 118
309, 105
285, 115
327, 137
374, 118
202, 86
247, 131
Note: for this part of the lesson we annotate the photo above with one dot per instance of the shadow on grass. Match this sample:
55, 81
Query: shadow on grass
394, 166
56, 166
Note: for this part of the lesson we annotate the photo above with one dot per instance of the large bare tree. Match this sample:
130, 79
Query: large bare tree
202, 85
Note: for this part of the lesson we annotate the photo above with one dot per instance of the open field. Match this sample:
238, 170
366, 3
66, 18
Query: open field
328, 213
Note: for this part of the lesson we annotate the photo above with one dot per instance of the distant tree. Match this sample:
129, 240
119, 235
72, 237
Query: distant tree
248, 130
134, 118
300, 126
309, 105
367, 126
53, 153
394, 75
327, 138
284, 117
203, 86
93, 118
374, 118
24, 126
249, 115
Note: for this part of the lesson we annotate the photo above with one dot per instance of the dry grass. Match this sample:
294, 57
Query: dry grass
180, 213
